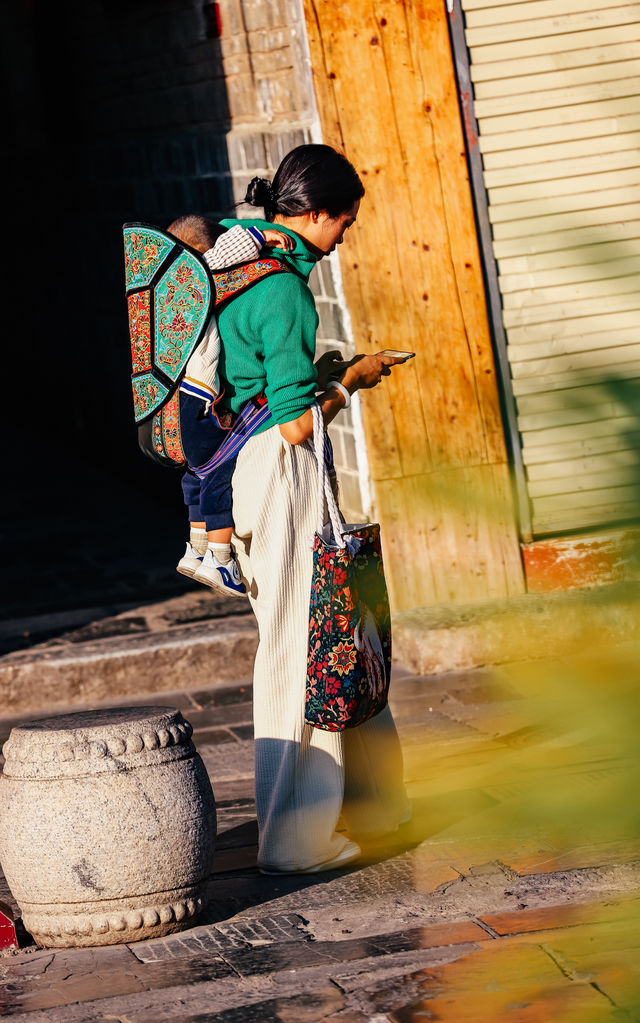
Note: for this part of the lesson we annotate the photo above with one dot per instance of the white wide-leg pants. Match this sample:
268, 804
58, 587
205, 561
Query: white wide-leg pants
305, 777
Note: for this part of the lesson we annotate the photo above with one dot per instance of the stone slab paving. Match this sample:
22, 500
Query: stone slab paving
470, 912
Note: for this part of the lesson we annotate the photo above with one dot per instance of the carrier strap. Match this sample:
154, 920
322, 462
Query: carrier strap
252, 415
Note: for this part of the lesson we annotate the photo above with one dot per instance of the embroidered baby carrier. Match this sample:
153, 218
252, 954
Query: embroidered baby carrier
171, 293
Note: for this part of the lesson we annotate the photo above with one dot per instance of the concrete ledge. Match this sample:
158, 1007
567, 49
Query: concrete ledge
435, 639
150, 649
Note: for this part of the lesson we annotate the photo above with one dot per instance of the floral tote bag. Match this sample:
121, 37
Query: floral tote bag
349, 657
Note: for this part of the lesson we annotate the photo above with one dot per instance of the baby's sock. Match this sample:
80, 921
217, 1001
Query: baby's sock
221, 551
198, 539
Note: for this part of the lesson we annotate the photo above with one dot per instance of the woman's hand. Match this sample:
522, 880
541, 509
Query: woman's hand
367, 371
363, 371
330, 366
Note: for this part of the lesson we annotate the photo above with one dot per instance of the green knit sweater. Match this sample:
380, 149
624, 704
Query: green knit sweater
269, 337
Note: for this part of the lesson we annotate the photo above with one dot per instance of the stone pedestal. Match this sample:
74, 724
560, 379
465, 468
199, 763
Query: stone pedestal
108, 825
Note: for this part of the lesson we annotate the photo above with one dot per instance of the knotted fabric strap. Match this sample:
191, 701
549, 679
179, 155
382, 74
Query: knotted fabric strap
251, 416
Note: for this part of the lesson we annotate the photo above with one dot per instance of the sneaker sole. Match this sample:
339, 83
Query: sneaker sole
201, 577
187, 570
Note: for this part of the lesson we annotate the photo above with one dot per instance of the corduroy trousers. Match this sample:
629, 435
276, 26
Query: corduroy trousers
305, 778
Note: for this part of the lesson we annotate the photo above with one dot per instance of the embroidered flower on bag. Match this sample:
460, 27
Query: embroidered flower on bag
342, 658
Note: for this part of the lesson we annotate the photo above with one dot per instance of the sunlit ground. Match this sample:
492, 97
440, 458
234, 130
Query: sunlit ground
547, 780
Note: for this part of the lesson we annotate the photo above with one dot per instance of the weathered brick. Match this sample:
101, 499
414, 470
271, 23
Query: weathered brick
351, 496
326, 273
350, 456
331, 325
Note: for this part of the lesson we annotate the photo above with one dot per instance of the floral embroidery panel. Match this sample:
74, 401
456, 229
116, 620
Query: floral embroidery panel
349, 663
145, 249
148, 393
181, 310
140, 330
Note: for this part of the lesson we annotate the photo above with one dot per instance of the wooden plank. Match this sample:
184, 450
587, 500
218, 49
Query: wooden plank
471, 5
580, 344
597, 92
547, 27
558, 170
574, 149
386, 94
585, 499
549, 379
581, 327
543, 63
563, 78
568, 283
555, 207
618, 32
552, 437
605, 288
567, 221
576, 480
608, 444
513, 13
575, 113
609, 243
552, 314
579, 183
564, 520
580, 400
600, 128
542, 374
586, 466
581, 416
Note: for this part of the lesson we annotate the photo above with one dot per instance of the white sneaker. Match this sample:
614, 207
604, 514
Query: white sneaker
189, 562
220, 577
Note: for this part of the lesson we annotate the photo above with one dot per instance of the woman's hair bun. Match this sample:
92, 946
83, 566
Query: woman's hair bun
259, 192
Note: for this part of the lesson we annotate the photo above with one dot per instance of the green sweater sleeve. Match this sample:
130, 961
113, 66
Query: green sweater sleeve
269, 339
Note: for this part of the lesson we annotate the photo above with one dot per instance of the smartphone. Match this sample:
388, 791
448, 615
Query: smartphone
398, 355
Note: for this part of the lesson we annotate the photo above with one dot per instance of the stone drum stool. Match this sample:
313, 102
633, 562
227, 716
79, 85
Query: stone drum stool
108, 825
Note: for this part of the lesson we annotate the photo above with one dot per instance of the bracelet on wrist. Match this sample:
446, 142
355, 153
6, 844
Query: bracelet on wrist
343, 391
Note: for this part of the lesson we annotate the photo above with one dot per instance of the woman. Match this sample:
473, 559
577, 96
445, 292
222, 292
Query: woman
306, 778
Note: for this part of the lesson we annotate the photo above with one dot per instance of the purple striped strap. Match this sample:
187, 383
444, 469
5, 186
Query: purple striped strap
251, 417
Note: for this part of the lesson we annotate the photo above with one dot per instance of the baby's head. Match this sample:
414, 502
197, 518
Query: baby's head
200, 233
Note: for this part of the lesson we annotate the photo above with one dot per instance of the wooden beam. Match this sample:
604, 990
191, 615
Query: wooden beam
387, 96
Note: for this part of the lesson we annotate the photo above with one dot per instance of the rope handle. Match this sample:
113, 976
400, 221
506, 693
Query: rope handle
325, 491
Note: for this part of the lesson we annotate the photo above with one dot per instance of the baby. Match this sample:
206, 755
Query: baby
209, 558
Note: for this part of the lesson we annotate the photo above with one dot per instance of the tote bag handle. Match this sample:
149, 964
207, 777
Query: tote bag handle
325, 491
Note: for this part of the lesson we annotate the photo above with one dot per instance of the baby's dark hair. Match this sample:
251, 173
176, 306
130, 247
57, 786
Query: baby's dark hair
200, 233
310, 177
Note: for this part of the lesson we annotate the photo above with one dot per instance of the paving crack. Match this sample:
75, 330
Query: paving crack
485, 927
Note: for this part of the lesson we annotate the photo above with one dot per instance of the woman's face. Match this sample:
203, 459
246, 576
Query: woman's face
329, 231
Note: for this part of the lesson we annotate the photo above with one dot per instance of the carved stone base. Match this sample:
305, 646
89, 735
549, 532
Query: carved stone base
113, 923
111, 825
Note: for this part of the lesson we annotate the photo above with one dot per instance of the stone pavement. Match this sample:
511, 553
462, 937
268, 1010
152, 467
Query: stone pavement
494, 903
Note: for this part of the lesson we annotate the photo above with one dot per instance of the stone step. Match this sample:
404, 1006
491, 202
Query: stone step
200, 641
185, 642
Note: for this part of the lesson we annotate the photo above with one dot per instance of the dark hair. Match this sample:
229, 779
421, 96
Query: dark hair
200, 233
310, 177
